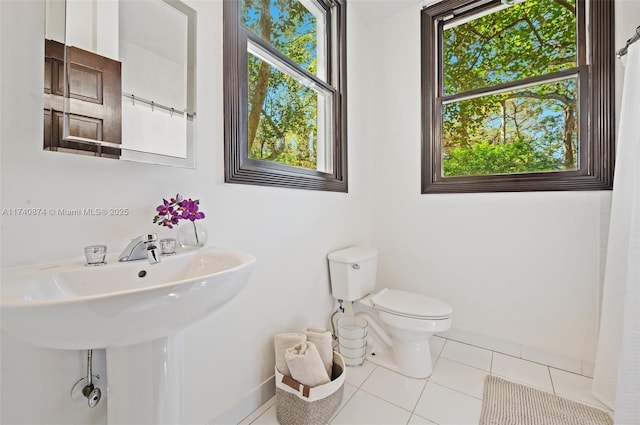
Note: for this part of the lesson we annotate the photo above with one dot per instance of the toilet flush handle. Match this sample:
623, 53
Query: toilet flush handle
355, 266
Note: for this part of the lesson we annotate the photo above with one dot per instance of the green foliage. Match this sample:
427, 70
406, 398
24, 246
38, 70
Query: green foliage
505, 158
485, 134
532, 38
287, 131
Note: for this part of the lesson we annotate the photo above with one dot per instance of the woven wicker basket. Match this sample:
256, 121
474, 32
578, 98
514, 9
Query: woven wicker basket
297, 404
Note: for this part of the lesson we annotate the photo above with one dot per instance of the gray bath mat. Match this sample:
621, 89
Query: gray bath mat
508, 403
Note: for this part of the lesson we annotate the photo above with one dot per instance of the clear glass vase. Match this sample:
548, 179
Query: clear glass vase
192, 235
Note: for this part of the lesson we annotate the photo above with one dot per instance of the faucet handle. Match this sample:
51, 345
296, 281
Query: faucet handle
150, 237
152, 250
95, 255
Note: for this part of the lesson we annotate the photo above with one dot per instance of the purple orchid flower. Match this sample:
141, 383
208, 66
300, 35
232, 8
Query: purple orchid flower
170, 212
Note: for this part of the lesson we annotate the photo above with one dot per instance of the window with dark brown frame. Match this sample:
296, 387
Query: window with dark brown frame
518, 96
285, 93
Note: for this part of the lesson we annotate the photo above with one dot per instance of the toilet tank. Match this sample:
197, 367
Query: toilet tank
352, 272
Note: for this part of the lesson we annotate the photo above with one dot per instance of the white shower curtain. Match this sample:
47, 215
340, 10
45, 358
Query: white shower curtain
616, 378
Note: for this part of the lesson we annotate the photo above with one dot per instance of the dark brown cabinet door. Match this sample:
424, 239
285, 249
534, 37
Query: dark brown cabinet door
94, 102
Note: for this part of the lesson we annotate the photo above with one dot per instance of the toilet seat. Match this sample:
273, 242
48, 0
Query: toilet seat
412, 305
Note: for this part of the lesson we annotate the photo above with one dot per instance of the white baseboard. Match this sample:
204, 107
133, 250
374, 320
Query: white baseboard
558, 361
247, 405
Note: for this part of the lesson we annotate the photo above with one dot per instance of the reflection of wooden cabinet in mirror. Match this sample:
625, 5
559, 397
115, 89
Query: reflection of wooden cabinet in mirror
94, 103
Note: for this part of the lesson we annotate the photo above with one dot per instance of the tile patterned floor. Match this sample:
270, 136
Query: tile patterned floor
452, 395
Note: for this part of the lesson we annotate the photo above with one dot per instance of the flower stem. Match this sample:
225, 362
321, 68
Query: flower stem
195, 230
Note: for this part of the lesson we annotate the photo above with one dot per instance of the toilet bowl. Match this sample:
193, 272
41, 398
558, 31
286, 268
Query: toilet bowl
401, 321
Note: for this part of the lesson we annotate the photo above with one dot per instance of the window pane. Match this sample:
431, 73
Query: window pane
288, 121
532, 38
296, 28
531, 129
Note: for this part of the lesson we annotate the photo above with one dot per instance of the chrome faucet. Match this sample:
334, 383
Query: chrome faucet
142, 247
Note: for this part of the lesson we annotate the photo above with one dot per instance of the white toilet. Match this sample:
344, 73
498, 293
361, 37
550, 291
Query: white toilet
402, 321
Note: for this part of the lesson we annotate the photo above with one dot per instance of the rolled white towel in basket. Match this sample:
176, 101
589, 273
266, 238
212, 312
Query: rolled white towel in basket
324, 343
282, 342
305, 365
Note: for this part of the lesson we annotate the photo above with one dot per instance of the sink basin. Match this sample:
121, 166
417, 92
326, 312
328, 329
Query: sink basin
70, 306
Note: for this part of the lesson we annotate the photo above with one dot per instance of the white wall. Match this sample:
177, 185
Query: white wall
290, 231
524, 268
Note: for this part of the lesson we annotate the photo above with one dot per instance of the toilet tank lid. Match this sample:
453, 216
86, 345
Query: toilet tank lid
353, 254
412, 304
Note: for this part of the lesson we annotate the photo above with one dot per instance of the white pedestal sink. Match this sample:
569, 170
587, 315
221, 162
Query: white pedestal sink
146, 382
135, 310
